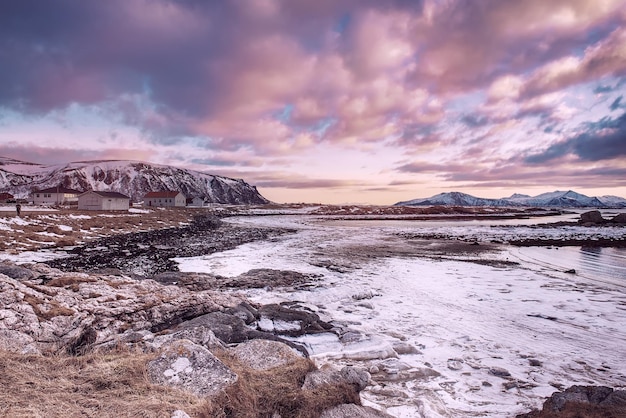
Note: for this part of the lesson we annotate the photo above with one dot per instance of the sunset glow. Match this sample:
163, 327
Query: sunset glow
368, 101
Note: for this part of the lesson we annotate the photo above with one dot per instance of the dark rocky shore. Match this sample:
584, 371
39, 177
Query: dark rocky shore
145, 254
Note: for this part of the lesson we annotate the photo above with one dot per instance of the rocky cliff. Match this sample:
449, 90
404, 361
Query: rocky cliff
132, 178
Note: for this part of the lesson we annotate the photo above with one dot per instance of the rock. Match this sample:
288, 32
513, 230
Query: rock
591, 217
587, 401
356, 377
77, 311
17, 342
401, 348
353, 411
261, 278
265, 355
246, 312
200, 335
283, 320
499, 371
190, 367
583, 394
455, 364
231, 329
228, 328
620, 218
17, 272
616, 399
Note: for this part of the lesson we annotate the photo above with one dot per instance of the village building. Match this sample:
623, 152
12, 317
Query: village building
55, 196
94, 200
196, 202
164, 199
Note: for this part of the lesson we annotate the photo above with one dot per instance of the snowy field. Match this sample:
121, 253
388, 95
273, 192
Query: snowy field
443, 337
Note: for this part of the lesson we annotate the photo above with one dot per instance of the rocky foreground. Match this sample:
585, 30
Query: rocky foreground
203, 343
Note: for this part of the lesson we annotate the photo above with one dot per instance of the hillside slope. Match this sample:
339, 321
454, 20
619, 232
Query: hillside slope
132, 178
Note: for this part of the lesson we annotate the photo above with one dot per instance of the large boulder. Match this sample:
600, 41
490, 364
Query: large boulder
228, 328
284, 320
584, 401
190, 367
591, 217
265, 355
620, 218
353, 376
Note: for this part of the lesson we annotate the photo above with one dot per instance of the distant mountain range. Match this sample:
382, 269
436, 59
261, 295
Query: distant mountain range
132, 178
559, 199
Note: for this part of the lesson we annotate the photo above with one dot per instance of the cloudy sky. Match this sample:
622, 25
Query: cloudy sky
326, 100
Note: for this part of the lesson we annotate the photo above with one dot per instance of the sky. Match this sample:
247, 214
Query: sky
331, 101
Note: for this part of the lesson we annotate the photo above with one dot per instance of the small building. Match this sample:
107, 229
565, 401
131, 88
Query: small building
164, 199
55, 196
93, 200
196, 202
6, 197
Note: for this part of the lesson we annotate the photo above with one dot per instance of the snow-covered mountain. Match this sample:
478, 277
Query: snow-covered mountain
553, 199
454, 199
132, 178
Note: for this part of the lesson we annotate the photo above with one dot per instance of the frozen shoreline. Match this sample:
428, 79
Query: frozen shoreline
492, 341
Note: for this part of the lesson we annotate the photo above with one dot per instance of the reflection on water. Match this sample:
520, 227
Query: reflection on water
593, 262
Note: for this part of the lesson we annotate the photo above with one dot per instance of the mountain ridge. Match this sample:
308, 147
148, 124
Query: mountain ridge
129, 177
557, 198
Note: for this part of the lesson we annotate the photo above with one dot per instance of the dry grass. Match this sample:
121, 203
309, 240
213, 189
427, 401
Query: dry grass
94, 385
53, 308
116, 385
261, 393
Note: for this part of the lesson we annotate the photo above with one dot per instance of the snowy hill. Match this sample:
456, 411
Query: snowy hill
132, 178
562, 199
456, 199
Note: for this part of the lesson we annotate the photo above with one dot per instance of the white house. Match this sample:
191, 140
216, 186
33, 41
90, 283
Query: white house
164, 199
93, 200
198, 202
55, 196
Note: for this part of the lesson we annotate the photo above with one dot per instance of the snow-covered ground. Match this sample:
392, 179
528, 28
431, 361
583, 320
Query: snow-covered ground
491, 341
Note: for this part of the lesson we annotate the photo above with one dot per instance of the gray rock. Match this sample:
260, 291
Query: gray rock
200, 335
402, 347
499, 371
228, 328
292, 322
616, 399
265, 355
351, 375
16, 272
620, 218
591, 217
353, 411
190, 367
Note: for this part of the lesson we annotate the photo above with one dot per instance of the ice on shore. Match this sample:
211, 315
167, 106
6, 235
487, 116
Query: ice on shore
488, 341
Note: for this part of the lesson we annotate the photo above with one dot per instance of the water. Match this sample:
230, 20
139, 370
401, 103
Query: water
597, 264
594, 263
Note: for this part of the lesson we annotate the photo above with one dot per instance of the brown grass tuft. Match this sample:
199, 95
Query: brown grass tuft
69, 280
261, 393
102, 385
54, 309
